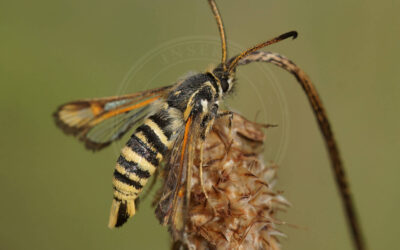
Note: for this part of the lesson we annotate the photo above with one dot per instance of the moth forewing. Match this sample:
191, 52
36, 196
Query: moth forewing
100, 121
171, 207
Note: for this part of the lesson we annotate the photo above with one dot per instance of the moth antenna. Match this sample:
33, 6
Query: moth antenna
218, 18
234, 63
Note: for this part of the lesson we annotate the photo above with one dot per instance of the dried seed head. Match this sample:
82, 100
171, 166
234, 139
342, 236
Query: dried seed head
241, 206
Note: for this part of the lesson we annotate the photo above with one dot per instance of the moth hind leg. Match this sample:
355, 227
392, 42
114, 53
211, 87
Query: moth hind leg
202, 141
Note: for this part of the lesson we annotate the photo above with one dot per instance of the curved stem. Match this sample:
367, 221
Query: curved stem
325, 127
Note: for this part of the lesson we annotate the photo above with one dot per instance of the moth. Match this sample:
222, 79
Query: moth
169, 121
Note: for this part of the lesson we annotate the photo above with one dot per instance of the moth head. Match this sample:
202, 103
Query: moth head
225, 78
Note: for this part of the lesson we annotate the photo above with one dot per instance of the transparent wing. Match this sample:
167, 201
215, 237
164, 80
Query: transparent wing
98, 122
172, 206
113, 128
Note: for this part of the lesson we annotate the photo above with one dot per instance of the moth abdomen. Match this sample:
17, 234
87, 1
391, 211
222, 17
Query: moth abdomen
138, 161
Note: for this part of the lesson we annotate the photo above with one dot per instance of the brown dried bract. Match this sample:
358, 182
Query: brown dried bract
241, 206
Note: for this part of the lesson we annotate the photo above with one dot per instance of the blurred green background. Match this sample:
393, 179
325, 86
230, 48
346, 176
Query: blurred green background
56, 195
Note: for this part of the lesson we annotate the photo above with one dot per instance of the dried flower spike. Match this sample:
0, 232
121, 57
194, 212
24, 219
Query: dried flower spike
239, 212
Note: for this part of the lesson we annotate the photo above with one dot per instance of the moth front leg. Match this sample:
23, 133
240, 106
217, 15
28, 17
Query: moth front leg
226, 113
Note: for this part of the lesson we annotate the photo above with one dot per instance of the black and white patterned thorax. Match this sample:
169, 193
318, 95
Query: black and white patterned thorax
200, 94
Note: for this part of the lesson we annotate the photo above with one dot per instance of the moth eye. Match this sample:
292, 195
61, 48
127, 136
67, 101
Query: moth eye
224, 85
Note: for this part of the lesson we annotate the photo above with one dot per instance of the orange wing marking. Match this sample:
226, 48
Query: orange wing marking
185, 138
96, 108
122, 110
179, 191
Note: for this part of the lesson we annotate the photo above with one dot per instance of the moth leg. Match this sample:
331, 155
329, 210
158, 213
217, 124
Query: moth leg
202, 140
225, 113
189, 171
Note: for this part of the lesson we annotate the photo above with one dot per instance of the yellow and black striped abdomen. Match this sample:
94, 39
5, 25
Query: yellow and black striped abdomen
139, 159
